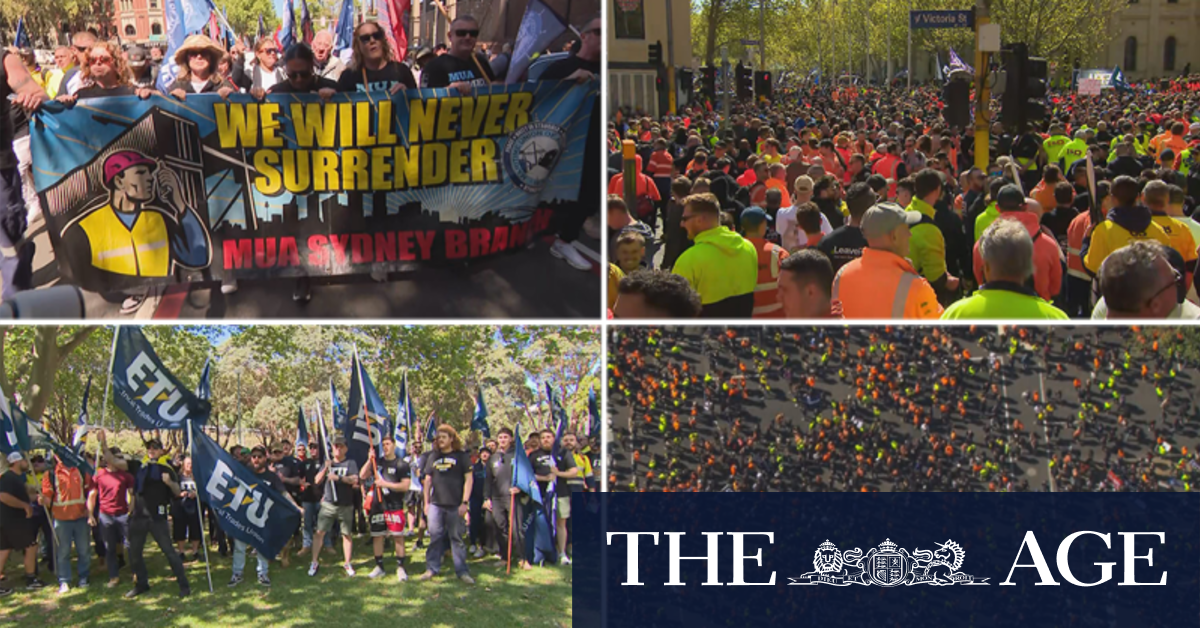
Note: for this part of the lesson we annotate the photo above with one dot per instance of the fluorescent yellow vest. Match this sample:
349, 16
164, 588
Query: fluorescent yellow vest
142, 251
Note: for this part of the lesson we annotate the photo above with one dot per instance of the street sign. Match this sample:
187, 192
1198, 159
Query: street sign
941, 19
751, 42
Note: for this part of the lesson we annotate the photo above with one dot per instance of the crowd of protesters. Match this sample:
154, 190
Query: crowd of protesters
906, 408
91, 68
48, 508
863, 203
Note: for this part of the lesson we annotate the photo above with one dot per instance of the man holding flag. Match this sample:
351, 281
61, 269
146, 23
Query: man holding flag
155, 484
391, 477
552, 465
498, 492
447, 483
258, 465
338, 479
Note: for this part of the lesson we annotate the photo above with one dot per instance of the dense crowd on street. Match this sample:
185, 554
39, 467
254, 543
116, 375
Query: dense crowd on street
908, 408
862, 203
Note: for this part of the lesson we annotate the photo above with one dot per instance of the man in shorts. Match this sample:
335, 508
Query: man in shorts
339, 481
386, 511
17, 531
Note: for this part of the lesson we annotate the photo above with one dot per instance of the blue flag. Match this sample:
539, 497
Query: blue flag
246, 508
22, 38
176, 32
10, 439
306, 25
593, 415
287, 31
262, 29
149, 394
479, 422
367, 419
558, 415
81, 424
301, 429
339, 413
431, 430
522, 472
1118, 80
204, 388
958, 65
39, 438
344, 32
540, 26
404, 417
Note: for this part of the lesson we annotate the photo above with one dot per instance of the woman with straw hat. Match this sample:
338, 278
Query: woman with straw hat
197, 59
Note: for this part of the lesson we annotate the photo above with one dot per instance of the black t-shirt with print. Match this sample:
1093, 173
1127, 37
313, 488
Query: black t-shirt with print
393, 471
447, 69
345, 492
448, 472
842, 246
543, 461
352, 80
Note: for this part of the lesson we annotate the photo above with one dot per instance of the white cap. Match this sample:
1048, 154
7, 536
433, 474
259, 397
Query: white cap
15, 457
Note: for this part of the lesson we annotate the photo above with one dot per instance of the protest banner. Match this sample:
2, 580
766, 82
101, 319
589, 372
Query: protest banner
139, 192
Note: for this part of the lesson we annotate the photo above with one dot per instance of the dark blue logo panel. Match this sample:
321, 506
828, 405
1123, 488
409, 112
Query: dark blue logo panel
889, 559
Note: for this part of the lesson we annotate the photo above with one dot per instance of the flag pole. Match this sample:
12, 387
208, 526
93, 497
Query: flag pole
239, 407
362, 391
199, 506
328, 446
512, 504
112, 359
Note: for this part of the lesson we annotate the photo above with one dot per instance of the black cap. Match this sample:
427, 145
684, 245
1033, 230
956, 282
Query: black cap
1010, 197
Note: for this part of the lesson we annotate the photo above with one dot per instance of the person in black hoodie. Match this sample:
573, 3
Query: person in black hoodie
498, 497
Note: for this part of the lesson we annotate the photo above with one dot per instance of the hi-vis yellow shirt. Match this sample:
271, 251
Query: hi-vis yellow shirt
1109, 236
140, 251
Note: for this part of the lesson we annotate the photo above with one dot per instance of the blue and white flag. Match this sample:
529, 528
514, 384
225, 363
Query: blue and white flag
149, 394
540, 26
404, 418
593, 415
558, 416
338, 412
176, 32
204, 388
1118, 80
81, 424
287, 31
39, 438
479, 421
539, 537
246, 508
343, 34
22, 38
366, 417
301, 429
10, 441
958, 65
431, 430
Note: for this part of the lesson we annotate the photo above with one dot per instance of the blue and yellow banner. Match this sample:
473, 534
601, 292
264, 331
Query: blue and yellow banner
146, 391
162, 190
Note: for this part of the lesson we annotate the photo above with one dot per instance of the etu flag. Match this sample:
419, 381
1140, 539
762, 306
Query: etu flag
146, 391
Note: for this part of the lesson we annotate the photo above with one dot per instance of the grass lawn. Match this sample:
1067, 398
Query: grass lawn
537, 597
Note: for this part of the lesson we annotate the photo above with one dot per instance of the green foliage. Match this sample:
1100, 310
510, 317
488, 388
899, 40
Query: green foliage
243, 15
261, 374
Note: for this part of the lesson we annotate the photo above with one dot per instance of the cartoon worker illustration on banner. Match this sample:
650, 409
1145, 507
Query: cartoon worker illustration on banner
144, 227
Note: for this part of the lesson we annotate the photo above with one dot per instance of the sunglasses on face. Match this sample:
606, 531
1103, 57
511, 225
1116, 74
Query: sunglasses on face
100, 60
300, 75
269, 51
462, 32
197, 53
367, 37
253, 456
81, 48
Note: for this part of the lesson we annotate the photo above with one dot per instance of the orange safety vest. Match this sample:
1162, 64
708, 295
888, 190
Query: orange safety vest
887, 166
883, 285
1076, 232
766, 295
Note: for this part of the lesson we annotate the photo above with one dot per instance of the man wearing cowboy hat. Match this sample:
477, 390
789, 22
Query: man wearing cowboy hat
144, 228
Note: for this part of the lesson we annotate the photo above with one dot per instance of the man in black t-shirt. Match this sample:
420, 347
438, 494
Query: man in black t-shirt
17, 530
846, 243
310, 497
446, 481
290, 473
581, 67
498, 495
558, 468
155, 484
386, 489
461, 67
338, 479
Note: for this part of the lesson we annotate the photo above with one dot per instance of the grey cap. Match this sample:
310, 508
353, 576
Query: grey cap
339, 439
137, 56
883, 217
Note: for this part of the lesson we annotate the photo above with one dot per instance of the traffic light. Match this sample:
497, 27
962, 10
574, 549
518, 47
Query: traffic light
762, 85
745, 82
1024, 99
957, 96
708, 81
685, 82
656, 53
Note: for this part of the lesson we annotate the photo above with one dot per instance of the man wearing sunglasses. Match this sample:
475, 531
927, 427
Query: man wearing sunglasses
461, 67
1140, 281
81, 43
258, 464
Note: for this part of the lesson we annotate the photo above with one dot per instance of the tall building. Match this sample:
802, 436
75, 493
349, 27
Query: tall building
1155, 39
633, 26
140, 21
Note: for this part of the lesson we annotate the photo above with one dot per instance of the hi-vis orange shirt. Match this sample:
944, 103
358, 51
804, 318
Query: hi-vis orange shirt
67, 491
883, 285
